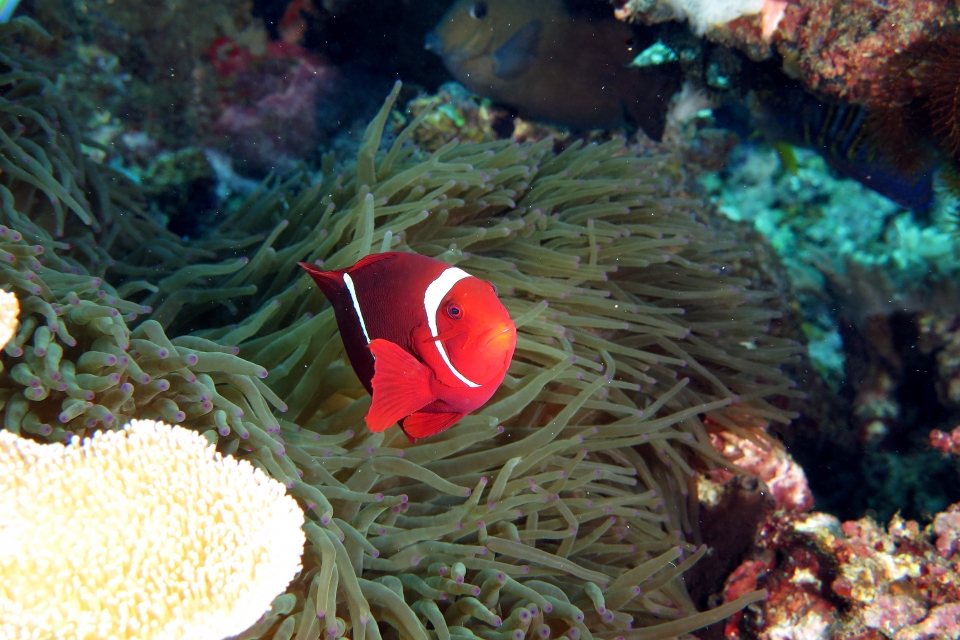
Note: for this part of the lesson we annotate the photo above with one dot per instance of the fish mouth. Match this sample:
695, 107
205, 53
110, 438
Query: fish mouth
495, 334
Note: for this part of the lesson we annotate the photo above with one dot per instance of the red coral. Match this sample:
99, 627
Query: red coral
948, 443
227, 57
744, 579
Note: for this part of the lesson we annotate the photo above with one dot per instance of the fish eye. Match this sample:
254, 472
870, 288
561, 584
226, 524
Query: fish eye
455, 311
478, 10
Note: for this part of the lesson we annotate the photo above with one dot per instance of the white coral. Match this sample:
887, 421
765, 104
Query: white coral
9, 310
704, 14
143, 533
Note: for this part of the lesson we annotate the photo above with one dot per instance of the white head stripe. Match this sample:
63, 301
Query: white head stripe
347, 280
432, 298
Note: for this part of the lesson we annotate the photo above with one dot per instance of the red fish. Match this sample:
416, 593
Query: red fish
430, 342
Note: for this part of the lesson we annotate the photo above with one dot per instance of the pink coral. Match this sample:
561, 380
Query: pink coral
783, 476
889, 613
947, 527
281, 126
942, 622
268, 102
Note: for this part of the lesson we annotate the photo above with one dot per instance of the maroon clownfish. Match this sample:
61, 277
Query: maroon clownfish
430, 342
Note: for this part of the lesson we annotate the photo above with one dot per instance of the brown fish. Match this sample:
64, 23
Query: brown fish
552, 66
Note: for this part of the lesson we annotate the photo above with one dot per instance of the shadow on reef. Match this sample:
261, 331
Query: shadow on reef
381, 36
867, 450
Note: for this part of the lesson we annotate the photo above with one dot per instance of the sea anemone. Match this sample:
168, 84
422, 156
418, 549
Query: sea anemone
562, 508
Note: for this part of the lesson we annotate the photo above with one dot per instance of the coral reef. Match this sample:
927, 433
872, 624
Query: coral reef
578, 502
453, 112
850, 52
864, 270
177, 541
851, 580
785, 481
159, 51
559, 508
854, 51
896, 58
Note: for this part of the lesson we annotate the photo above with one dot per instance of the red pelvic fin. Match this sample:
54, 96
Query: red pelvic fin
401, 385
422, 424
329, 282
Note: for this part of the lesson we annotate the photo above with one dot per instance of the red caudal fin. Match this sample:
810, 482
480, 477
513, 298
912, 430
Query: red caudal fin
329, 282
401, 385
422, 424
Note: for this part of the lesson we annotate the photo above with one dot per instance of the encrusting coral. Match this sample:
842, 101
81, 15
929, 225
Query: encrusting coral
561, 509
86, 552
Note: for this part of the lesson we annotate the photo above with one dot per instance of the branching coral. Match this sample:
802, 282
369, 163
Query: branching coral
561, 509
177, 542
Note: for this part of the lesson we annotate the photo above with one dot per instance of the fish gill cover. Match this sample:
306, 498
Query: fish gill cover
562, 508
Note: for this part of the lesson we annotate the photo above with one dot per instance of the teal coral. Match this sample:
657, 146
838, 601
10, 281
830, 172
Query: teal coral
562, 508
836, 236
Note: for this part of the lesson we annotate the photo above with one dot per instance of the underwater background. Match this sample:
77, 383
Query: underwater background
727, 232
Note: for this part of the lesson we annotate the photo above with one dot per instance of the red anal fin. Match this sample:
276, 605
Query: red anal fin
401, 385
422, 424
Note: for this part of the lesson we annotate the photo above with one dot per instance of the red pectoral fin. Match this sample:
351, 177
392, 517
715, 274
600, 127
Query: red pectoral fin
401, 385
422, 424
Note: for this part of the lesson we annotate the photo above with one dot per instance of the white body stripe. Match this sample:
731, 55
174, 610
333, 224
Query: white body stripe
347, 280
432, 298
